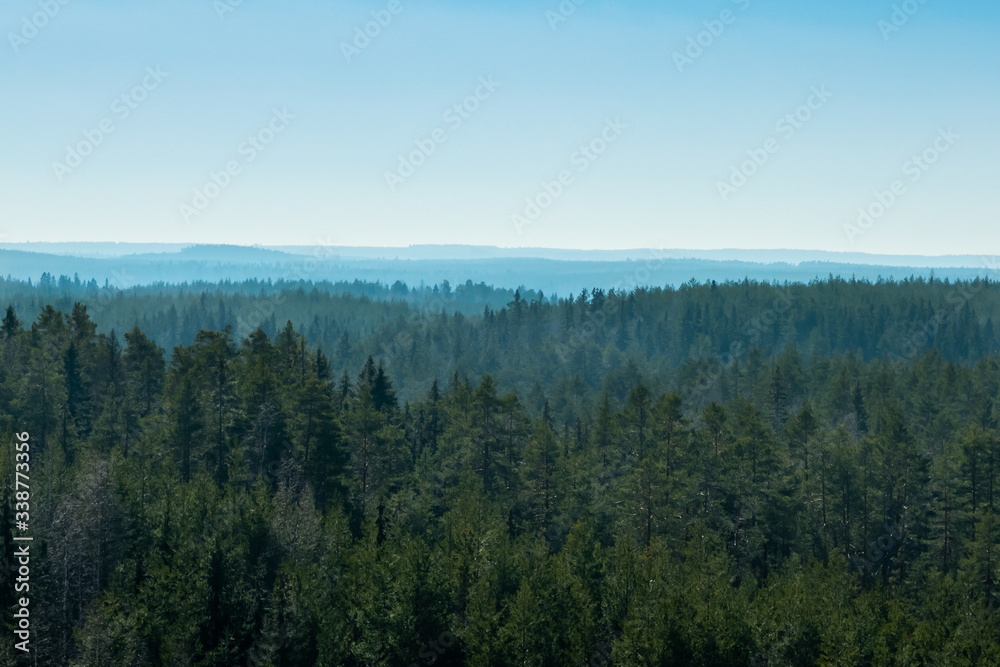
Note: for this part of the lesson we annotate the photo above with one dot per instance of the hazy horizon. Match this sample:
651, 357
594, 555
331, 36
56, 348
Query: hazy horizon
552, 271
472, 251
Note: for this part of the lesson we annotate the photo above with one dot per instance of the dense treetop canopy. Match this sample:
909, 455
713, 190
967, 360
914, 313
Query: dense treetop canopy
359, 474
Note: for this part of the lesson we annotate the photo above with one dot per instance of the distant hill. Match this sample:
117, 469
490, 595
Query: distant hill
218, 253
753, 256
553, 271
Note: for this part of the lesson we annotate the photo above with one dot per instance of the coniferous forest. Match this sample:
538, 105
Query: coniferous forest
742, 473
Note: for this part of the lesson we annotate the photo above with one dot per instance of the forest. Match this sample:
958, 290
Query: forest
125, 265
295, 473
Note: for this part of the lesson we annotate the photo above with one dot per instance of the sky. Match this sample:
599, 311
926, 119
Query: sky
861, 125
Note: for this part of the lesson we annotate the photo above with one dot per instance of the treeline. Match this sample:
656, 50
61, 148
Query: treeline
146, 299
719, 475
705, 340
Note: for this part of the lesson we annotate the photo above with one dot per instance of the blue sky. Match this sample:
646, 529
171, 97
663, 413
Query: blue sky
669, 131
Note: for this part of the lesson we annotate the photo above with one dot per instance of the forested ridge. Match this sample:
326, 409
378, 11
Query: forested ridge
298, 474
565, 272
540, 344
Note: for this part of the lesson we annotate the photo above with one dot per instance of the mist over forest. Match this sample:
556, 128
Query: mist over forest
302, 471
559, 272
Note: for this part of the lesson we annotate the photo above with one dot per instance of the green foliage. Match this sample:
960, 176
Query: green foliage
656, 477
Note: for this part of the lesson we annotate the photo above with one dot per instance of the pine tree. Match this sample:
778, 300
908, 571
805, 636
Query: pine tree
145, 367
541, 455
11, 325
